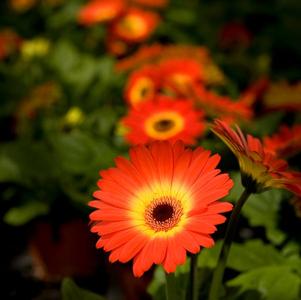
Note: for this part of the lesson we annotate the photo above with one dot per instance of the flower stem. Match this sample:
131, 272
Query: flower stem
230, 232
193, 286
170, 288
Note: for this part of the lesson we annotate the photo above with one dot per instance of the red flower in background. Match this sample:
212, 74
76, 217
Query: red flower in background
159, 204
135, 25
97, 11
261, 170
10, 42
116, 46
164, 119
179, 74
150, 3
155, 54
285, 143
255, 91
221, 106
234, 34
142, 85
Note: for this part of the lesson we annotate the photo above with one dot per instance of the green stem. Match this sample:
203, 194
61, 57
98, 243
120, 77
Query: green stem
222, 261
170, 289
193, 286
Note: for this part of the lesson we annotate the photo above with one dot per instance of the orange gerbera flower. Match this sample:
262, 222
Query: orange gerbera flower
157, 53
142, 85
164, 119
285, 143
135, 25
150, 3
159, 204
221, 106
180, 74
97, 11
261, 170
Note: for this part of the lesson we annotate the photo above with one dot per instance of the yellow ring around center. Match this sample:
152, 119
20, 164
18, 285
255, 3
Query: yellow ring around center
171, 116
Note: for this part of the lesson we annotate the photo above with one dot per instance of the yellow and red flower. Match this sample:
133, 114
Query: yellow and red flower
261, 170
164, 119
180, 74
97, 11
159, 205
135, 25
142, 85
285, 143
158, 53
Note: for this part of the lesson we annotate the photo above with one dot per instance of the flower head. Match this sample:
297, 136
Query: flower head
159, 53
164, 119
135, 25
10, 42
222, 106
151, 3
261, 170
180, 74
74, 116
22, 5
159, 204
142, 85
97, 11
285, 143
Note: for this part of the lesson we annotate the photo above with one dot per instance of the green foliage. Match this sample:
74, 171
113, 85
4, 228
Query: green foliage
21, 215
9, 170
79, 153
273, 282
177, 283
261, 209
70, 291
260, 266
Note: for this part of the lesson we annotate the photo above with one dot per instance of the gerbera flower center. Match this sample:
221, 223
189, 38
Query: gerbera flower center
133, 26
163, 214
143, 90
164, 125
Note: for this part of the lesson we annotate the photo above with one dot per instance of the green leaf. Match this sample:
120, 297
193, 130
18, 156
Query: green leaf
70, 291
9, 170
253, 254
261, 209
181, 16
273, 282
177, 283
74, 68
266, 125
158, 281
20, 215
33, 160
247, 256
208, 256
79, 153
